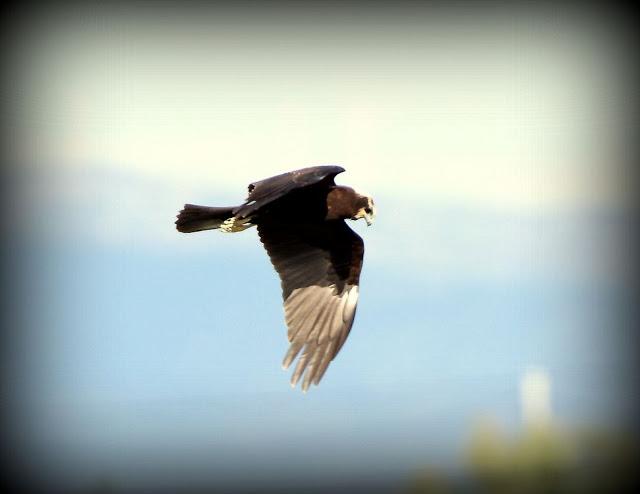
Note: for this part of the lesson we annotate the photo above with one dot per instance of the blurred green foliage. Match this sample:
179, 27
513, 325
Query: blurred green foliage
544, 459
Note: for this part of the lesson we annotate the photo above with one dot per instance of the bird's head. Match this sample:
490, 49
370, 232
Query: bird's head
345, 203
366, 209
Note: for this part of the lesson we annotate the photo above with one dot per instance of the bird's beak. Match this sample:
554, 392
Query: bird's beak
368, 218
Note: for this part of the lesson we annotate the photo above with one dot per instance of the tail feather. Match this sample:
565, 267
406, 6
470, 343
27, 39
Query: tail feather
194, 218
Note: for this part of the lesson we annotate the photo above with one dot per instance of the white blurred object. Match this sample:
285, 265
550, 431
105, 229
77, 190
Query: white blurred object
535, 398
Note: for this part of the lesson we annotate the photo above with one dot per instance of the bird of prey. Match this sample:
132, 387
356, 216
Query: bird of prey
300, 220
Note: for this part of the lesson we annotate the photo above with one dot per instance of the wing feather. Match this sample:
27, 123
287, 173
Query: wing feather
319, 266
326, 360
271, 189
292, 353
303, 361
318, 355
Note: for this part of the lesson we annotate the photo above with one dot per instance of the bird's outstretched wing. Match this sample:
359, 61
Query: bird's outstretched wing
270, 189
319, 265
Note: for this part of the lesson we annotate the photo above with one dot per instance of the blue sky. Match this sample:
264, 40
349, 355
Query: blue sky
499, 244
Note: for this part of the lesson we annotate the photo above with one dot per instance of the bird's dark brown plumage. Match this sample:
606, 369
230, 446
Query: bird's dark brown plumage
300, 219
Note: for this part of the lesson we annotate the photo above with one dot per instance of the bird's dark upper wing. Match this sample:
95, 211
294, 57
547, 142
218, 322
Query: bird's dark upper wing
319, 265
270, 189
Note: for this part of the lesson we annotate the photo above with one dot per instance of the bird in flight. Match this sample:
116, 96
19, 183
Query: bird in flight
300, 220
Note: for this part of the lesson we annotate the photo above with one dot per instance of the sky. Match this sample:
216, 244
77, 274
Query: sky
494, 145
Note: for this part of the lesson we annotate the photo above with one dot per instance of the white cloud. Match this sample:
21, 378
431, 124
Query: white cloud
522, 118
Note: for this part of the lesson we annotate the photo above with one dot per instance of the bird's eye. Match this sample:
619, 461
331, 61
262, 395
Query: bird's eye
367, 210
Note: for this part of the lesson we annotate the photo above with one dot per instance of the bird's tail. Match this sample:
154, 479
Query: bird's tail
194, 218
